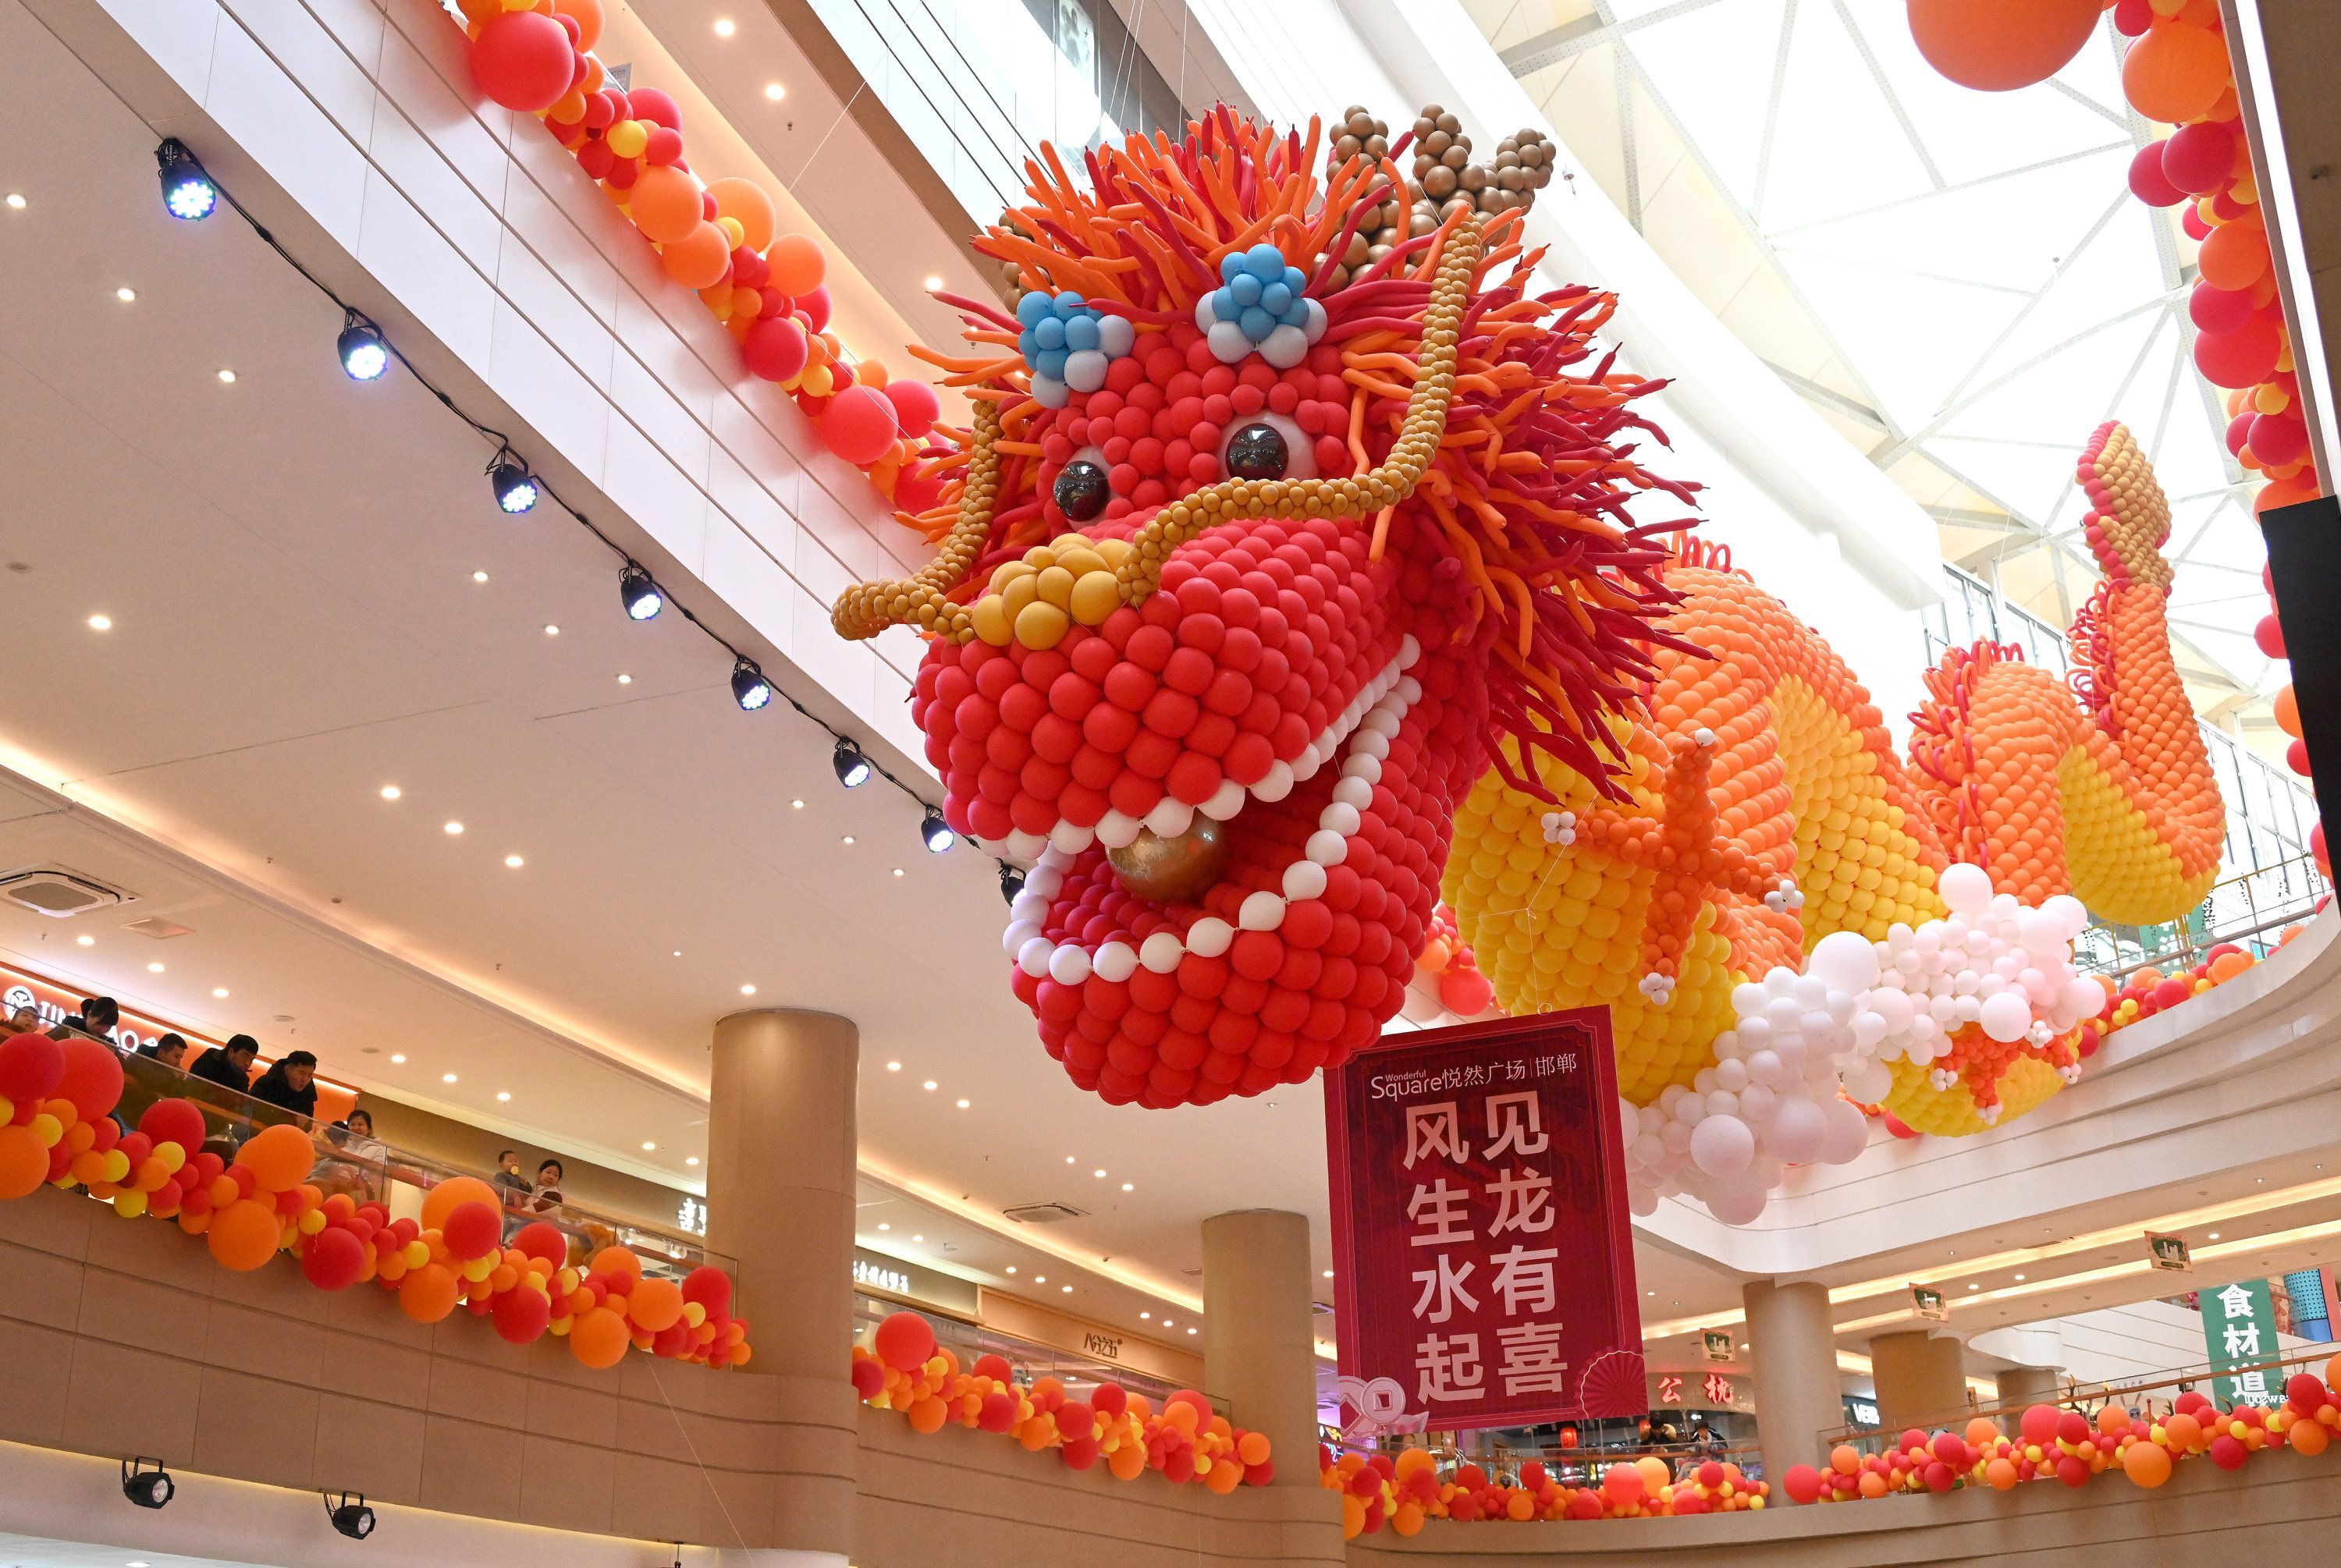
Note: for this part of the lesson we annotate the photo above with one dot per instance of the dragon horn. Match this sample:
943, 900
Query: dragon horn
868, 609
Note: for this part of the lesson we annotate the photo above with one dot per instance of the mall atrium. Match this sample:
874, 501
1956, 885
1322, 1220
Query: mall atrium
1160, 784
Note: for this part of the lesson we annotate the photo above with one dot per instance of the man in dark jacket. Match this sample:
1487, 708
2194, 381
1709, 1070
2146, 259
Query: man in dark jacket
230, 1065
289, 1085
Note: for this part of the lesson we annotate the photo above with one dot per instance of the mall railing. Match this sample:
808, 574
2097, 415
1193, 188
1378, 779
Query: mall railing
369, 1170
2154, 1394
1577, 1464
1026, 1359
2251, 910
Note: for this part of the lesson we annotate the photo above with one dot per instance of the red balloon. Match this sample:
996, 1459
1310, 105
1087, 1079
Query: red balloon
1802, 1484
2191, 219
915, 406
2278, 441
859, 425
2147, 183
92, 1079
524, 60
2268, 636
664, 146
334, 1258
521, 1315
543, 1242
904, 1341
814, 304
995, 1367
709, 1287
2198, 159
2296, 757
775, 348
869, 1378
651, 104
174, 1121
471, 1230
30, 1067
2239, 432
2228, 1452
2218, 310
2243, 358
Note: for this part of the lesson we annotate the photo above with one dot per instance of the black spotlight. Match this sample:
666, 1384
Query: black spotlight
639, 594
936, 832
852, 767
750, 690
365, 356
1011, 882
146, 1488
515, 487
187, 191
350, 1516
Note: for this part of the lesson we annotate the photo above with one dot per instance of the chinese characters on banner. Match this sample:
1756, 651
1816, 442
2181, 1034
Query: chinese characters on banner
1485, 1260
2239, 1329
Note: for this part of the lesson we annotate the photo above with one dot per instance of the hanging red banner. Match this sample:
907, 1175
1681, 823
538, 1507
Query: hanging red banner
1484, 1261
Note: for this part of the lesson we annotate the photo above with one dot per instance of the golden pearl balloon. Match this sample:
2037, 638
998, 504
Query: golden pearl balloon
1173, 871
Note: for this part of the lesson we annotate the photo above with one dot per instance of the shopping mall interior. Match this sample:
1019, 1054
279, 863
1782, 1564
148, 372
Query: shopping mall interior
1450, 780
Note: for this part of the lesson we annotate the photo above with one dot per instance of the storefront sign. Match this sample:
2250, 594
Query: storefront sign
1107, 1346
1717, 1346
1482, 1246
1930, 1303
55, 1003
907, 1282
2168, 1252
1861, 1413
2239, 1330
1700, 1391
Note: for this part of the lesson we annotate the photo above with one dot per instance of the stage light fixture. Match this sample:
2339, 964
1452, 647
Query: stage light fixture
936, 832
515, 486
188, 192
148, 1488
350, 1516
750, 690
1011, 882
364, 355
639, 594
852, 767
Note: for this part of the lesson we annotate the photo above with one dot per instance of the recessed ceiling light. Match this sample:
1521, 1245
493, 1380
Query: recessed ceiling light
397, 1057
893, 1067
514, 861
678, 952
917, 1237
775, 91
691, 1159
16, 201
125, 294
1972, 1285
1190, 1329
1039, 1279
100, 623
1099, 1174
649, 1148
625, 681
551, 629
86, 941
1145, 1317
390, 791
848, 839
1011, 1268
2019, 1277
934, 282
796, 805
725, 27
1066, 1288
153, 968
479, 577
883, 1225
929, 1084
1128, 1187
747, 991
1068, 1159
963, 1105
503, 1097
220, 991
1168, 1323
898, 871
446, 1078
1328, 1273
2213, 1236
227, 378
453, 829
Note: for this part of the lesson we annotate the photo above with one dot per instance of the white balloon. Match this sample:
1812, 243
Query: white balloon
1796, 1130
1868, 1082
1966, 888
1736, 1202
1757, 1103
1646, 1150
1870, 1027
1765, 1068
2005, 1016
1748, 999
1642, 1200
1894, 1008
2082, 998
1844, 961
1722, 1145
1630, 1119
1811, 993
1845, 1132
1732, 1075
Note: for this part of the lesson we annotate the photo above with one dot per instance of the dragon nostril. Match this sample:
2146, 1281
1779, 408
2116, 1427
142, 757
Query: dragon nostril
1081, 491
1173, 871
1258, 452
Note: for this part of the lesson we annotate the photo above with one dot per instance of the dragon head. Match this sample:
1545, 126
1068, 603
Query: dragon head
1272, 518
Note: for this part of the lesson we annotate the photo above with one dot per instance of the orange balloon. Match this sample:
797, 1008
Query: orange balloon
665, 203
2227, 965
244, 1235
1999, 45
428, 1293
588, 15
2112, 1419
2000, 1475
698, 260
2308, 1435
280, 1157
927, 1414
2183, 1430
2175, 73
751, 204
23, 1162
2286, 708
2147, 1463
599, 1338
798, 264
2233, 256
615, 1260
655, 1304
451, 1195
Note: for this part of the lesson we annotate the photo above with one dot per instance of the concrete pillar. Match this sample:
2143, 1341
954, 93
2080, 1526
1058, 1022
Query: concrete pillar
1921, 1379
1794, 1349
2031, 1385
1258, 1333
781, 1161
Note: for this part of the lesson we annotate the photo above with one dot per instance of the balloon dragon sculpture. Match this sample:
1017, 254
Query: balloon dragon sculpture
1291, 576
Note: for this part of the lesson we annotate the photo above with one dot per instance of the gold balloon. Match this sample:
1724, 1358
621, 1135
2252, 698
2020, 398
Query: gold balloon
1173, 871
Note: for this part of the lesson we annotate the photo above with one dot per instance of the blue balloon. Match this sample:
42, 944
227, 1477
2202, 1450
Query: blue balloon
1068, 305
1032, 307
1224, 306
1081, 333
1049, 362
1296, 315
1264, 262
1050, 333
1276, 299
1229, 265
1257, 324
1296, 280
1245, 289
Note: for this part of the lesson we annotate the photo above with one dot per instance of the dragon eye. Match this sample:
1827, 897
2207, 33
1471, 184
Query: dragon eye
1081, 490
1257, 451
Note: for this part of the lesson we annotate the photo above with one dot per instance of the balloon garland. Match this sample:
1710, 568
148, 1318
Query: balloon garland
904, 1369
1406, 1490
719, 238
2057, 1444
57, 1129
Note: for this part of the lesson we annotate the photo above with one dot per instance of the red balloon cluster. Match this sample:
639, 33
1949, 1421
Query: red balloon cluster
2065, 1445
2178, 71
717, 238
1406, 1489
55, 1128
1463, 990
904, 1369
